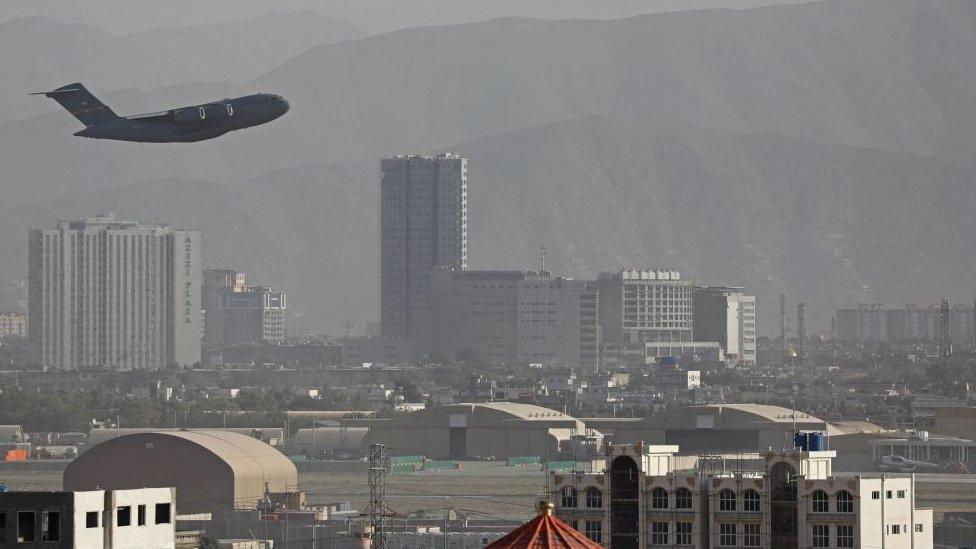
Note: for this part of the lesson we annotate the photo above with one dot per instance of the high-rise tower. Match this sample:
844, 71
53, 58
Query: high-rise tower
423, 224
118, 294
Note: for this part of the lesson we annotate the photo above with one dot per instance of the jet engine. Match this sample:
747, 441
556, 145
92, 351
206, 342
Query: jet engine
190, 114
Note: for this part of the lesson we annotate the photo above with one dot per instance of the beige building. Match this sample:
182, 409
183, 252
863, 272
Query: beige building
212, 471
107, 293
640, 500
238, 314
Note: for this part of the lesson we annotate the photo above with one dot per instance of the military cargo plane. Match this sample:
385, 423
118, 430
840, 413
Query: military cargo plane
182, 125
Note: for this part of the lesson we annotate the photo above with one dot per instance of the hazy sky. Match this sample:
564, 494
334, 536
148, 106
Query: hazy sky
120, 16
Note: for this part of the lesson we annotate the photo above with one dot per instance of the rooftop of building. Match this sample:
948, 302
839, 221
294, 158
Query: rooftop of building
642, 274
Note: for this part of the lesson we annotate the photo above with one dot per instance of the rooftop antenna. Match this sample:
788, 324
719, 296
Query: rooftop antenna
543, 252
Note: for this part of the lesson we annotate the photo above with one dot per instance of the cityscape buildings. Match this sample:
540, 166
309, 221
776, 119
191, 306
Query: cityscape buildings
238, 314
514, 317
876, 322
423, 224
108, 293
727, 316
640, 499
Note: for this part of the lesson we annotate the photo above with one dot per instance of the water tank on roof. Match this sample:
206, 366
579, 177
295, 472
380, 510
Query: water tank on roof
815, 442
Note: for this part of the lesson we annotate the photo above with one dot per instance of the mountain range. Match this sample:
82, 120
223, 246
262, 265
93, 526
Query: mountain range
823, 150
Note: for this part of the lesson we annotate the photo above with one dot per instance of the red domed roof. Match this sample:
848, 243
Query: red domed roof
546, 531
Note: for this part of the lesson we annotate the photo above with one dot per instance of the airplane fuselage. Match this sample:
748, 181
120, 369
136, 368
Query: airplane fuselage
190, 124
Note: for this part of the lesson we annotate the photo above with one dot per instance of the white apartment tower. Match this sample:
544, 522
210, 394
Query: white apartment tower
423, 224
106, 293
639, 500
727, 316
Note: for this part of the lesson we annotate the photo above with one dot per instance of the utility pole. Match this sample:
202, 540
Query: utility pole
378, 511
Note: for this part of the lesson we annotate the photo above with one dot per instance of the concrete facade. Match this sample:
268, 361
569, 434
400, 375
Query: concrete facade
639, 500
728, 316
514, 317
114, 519
105, 293
423, 224
645, 305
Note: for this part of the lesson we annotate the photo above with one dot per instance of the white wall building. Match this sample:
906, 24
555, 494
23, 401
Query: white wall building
143, 518
728, 316
645, 305
117, 294
640, 501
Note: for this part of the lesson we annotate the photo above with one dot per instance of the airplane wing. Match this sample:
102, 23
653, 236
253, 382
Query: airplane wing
159, 114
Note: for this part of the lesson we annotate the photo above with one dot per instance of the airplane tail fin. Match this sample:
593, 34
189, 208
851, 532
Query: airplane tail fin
80, 102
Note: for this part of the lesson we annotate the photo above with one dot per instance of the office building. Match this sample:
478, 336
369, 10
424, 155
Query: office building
107, 293
238, 314
910, 324
13, 324
423, 224
637, 306
217, 282
640, 500
514, 317
143, 518
727, 316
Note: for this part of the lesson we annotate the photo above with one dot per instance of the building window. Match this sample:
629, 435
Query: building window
726, 500
659, 533
594, 498
820, 502
594, 530
821, 535
26, 523
918, 527
50, 526
659, 498
3, 527
887, 494
682, 533
726, 535
895, 529
750, 501
876, 495
682, 498
901, 494
750, 535
845, 535
91, 519
845, 502
123, 516
569, 497
141, 515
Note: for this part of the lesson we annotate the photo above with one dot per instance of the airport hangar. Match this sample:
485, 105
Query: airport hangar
481, 429
211, 470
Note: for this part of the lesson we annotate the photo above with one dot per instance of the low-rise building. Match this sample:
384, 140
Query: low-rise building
141, 518
13, 324
641, 500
